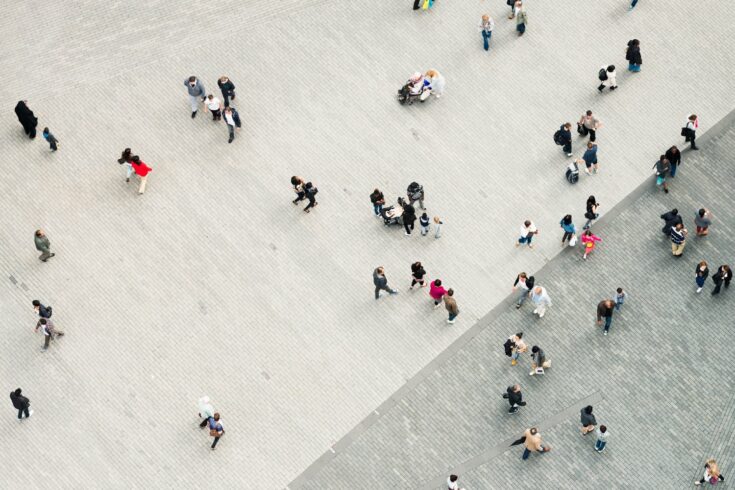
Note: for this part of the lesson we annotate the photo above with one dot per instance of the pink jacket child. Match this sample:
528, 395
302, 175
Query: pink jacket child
437, 292
588, 242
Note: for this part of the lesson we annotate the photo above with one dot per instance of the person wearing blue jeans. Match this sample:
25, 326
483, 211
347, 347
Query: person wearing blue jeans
378, 200
601, 434
528, 230
605, 309
619, 298
532, 441
486, 28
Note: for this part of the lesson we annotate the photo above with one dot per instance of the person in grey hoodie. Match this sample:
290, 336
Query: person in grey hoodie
381, 282
196, 91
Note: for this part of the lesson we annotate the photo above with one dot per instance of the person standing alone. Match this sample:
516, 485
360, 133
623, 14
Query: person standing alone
20, 403
689, 131
486, 28
216, 429
196, 91
702, 220
381, 282
43, 245
451, 305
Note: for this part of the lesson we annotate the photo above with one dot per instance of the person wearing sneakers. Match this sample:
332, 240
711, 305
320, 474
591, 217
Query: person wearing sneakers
381, 282
524, 284
20, 403
216, 429
195, 89
601, 441
700, 275
590, 158
607, 77
605, 309
588, 124
538, 361
49, 332
43, 245
518, 347
451, 305
417, 275
589, 240
515, 398
588, 420
528, 230
541, 299
702, 220
437, 292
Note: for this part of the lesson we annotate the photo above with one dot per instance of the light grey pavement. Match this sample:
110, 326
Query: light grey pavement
212, 283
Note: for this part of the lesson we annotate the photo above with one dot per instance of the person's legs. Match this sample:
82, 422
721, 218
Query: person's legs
672, 170
231, 130
377, 208
406, 227
452, 316
52, 144
44, 256
312, 203
541, 309
216, 440
194, 103
633, 4
204, 423
416, 4
486, 40
143, 182
526, 453
716, 290
600, 445
529, 238
522, 297
46, 341
377, 292
226, 98
608, 321
567, 148
32, 134
692, 138
593, 134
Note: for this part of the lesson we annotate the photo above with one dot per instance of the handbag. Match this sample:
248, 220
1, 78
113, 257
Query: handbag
213, 433
684, 131
573, 241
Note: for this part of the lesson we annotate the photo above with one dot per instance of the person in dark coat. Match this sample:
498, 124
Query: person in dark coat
381, 282
588, 420
633, 55
605, 310
409, 217
227, 88
26, 118
671, 218
673, 155
723, 275
21, 403
565, 138
515, 398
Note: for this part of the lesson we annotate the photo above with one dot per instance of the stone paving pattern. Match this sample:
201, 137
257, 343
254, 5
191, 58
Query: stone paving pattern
212, 283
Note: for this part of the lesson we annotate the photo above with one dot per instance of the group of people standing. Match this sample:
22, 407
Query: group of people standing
197, 92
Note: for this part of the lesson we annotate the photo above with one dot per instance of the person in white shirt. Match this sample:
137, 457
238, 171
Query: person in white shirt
528, 230
541, 299
486, 28
214, 106
452, 483
690, 132
437, 82
609, 72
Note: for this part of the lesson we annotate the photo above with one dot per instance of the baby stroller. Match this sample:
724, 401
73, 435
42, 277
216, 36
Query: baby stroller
406, 97
393, 215
572, 173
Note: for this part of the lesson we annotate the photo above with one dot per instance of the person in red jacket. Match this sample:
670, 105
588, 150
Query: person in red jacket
437, 292
141, 170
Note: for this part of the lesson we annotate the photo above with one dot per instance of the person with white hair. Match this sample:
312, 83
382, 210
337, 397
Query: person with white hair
206, 411
437, 82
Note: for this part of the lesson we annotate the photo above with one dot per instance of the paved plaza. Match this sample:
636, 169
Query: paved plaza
213, 283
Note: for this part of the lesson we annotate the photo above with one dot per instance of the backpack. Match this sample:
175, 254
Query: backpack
508, 345
557, 138
311, 189
50, 311
602, 75
572, 173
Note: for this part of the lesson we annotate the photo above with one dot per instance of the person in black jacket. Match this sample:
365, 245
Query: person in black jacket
310, 192
671, 218
227, 88
378, 200
381, 282
673, 155
26, 118
515, 398
605, 310
417, 274
232, 118
43, 311
21, 403
524, 283
723, 275
565, 138
633, 55
409, 217
700, 275
588, 420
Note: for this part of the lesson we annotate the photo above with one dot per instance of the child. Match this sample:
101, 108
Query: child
588, 240
213, 104
424, 222
52, 141
601, 434
619, 298
438, 223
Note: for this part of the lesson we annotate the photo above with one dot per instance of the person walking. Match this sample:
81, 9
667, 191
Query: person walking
539, 362
673, 155
141, 170
607, 77
424, 222
452, 483
588, 124
605, 310
678, 240
671, 219
588, 242
722, 276
409, 217
206, 411
415, 192
620, 296
528, 230
588, 420
298, 187
227, 88
41, 310
310, 192
378, 200
569, 230
43, 245
196, 91
601, 441
590, 158
591, 211
533, 443
381, 282
564, 138
51, 139
437, 226
512, 5
517, 347
712, 474
438, 82
20, 403
521, 18
524, 284
50, 332
126, 159
689, 131
26, 118
700, 275
216, 429
542, 301
662, 167
232, 118
451, 305
515, 398
633, 55
214, 106
702, 220
486, 28
437, 292
417, 275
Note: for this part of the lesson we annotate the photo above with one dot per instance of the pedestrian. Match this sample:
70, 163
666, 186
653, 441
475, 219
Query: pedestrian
452, 483
216, 429
678, 240
528, 230
542, 301
722, 276
591, 211
570, 231
606, 76
689, 131
700, 275
409, 217
451, 305
141, 170
633, 3
602, 435
417, 275
26, 117
662, 169
590, 158
633, 55
515, 398
605, 310
438, 82
52, 141
43, 311
565, 138
43, 245
206, 411
539, 362
381, 282
521, 18
524, 284
712, 474
232, 118
620, 296
437, 226
533, 443
424, 222
588, 242
125, 157
227, 88
437, 292
214, 106
310, 192
486, 28
416, 4
298, 187
671, 219
50, 332
378, 200
517, 347
588, 420
512, 5
588, 124
702, 220
415, 192
20, 403
196, 90
673, 155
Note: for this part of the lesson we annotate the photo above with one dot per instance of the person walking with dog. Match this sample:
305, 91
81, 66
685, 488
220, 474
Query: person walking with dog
381, 282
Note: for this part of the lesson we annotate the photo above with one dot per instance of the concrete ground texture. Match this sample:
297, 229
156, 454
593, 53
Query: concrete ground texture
213, 283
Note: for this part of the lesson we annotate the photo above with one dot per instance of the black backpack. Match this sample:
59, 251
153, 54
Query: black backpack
508, 345
602, 75
557, 138
414, 188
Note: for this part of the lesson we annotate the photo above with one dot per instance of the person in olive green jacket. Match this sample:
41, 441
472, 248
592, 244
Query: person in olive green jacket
451, 304
43, 245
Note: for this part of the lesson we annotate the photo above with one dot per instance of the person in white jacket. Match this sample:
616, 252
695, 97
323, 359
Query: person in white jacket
541, 299
437, 82
609, 72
